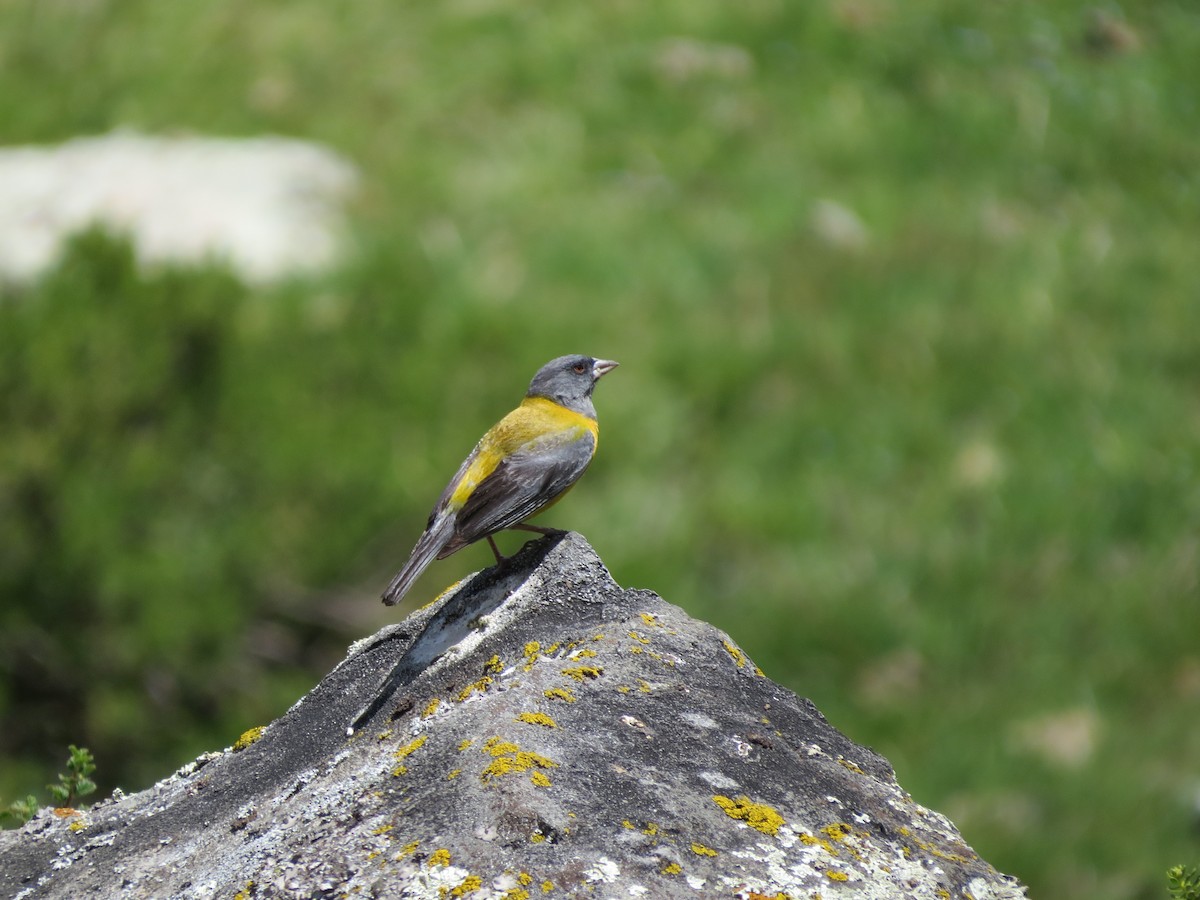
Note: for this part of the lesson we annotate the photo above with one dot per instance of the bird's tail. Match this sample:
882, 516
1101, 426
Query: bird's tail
428, 545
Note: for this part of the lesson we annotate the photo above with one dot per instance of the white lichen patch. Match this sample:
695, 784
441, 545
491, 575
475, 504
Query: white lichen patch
699, 720
605, 871
719, 781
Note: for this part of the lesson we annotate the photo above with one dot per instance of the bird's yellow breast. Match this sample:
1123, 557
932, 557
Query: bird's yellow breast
537, 421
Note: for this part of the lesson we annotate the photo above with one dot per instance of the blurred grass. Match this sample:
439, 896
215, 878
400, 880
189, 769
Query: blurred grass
905, 300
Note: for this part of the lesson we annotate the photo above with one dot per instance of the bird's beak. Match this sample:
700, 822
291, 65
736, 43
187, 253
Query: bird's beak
603, 367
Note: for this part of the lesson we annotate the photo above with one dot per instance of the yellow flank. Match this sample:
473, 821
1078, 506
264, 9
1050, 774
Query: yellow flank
533, 421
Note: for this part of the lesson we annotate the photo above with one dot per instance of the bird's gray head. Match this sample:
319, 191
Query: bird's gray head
569, 380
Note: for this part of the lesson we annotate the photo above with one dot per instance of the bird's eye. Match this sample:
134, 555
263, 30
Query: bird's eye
580, 368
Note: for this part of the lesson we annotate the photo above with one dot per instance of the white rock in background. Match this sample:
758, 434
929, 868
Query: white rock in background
268, 207
839, 225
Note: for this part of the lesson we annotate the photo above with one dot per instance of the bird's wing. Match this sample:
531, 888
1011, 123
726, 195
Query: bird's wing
521, 485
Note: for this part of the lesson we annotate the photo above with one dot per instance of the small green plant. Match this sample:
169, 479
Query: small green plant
21, 811
1183, 883
75, 783
72, 785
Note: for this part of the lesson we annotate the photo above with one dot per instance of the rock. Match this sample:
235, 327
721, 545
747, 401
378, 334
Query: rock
536, 731
268, 207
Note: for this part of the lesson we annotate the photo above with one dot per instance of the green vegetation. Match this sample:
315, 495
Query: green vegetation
73, 785
906, 303
76, 781
1183, 883
20, 811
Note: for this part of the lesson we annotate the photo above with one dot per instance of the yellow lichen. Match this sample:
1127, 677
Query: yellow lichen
249, 736
853, 767
637, 637
78, 825
628, 824
650, 829
539, 778
430, 708
410, 748
384, 735
757, 815
547, 886
672, 869
931, 849
838, 832
245, 893
580, 673
532, 650
507, 758
497, 746
480, 686
812, 841
468, 885
399, 770
537, 718
583, 654
408, 848
834, 875
537, 837
440, 857
563, 694
738, 656
623, 689
524, 878
651, 620
493, 666
644, 686
452, 774
515, 894
701, 850
464, 744
382, 829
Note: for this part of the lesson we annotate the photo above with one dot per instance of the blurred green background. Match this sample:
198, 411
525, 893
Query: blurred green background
907, 306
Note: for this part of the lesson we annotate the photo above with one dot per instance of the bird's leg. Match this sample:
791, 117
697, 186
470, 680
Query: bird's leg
500, 557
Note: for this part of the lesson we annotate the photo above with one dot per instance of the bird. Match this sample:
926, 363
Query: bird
524, 464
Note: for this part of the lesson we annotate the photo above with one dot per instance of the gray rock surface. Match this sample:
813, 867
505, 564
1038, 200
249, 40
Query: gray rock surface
541, 733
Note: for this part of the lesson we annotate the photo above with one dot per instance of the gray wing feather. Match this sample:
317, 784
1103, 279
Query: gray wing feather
519, 487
